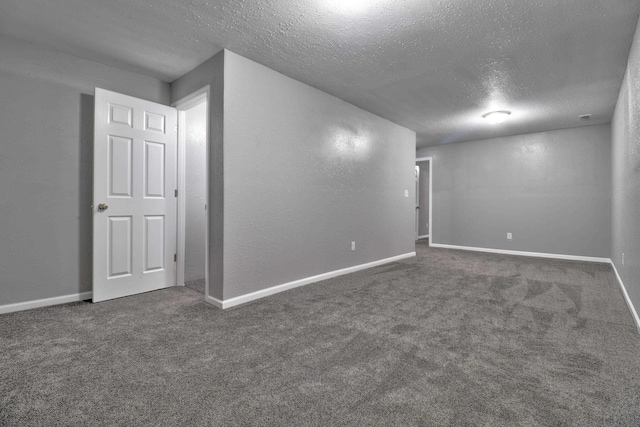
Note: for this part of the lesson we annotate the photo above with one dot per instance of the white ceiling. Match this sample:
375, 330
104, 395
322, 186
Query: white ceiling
434, 66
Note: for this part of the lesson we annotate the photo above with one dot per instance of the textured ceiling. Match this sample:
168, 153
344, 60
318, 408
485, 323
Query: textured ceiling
434, 66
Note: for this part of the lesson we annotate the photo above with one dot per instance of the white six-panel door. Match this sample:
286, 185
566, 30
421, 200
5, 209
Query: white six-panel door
134, 205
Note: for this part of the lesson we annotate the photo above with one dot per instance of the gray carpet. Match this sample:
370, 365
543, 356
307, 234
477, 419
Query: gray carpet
196, 285
451, 338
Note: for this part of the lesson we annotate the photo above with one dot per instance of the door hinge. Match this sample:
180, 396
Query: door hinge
175, 193
175, 257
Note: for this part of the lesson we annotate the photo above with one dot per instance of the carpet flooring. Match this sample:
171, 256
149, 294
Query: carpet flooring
196, 285
450, 338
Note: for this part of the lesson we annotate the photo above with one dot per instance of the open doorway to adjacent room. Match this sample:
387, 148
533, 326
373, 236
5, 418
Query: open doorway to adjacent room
424, 205
193, 184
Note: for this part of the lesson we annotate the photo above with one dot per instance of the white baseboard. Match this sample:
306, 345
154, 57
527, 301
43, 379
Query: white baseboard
28, 305
215, 302
232, 302
523, 253
423, 237
632, 309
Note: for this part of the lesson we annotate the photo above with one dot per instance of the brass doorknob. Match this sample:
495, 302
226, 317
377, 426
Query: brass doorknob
102, 207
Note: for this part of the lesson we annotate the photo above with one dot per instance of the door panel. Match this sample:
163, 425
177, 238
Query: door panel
134, 236
154, 122
119, 242
154, 237
120, 164
120, 115
154, 180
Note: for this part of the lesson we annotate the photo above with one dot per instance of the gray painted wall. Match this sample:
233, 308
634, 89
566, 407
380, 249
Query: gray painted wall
423, 216
552, 190
46, 164
305, 174
626, 177
196, 192
211, 72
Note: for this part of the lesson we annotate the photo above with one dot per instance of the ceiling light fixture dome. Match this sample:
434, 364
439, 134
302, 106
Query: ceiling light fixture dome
497, 117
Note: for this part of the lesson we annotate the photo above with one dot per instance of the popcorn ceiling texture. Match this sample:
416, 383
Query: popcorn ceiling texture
431, 66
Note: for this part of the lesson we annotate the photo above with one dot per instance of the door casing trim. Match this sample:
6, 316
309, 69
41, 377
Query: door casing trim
430, 160
182, 105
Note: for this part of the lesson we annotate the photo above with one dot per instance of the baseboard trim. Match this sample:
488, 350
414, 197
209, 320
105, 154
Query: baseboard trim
215, 302
632, 309
423, 236
242, 299
523, 253
46, 302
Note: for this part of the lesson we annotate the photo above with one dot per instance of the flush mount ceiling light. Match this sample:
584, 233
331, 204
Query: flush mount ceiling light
496, 117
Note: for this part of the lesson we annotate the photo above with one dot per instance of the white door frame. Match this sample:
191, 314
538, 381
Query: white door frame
182, 106
430, 160
417, 169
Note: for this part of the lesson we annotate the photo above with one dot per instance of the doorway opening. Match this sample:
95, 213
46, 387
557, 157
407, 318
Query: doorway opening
193, 191
424, 199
